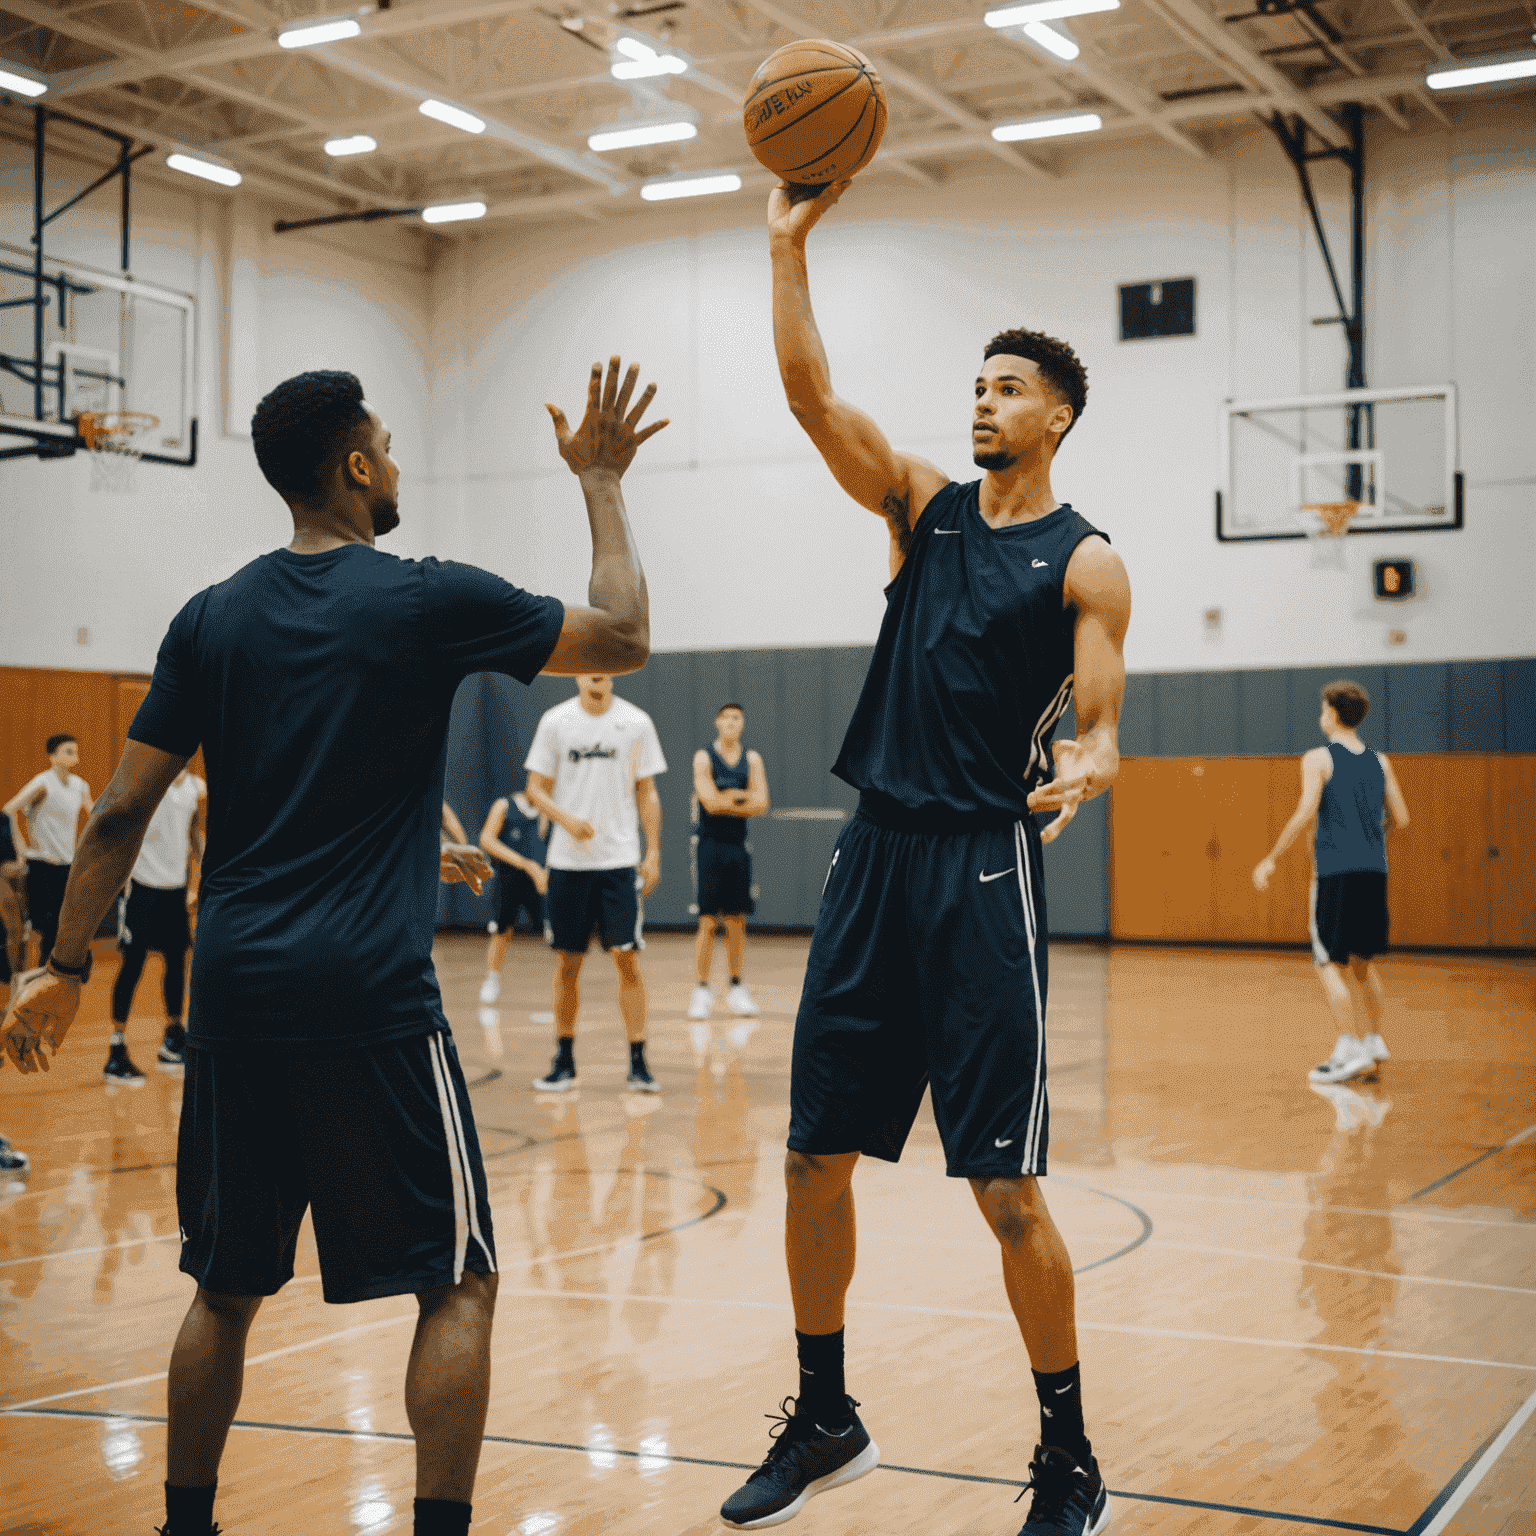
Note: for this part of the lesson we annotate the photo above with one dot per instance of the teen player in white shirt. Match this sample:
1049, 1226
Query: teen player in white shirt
592, 771
153, 915
45, 820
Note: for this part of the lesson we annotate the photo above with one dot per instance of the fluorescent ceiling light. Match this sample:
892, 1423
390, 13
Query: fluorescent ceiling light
455, 117
690, 186
10, 81
1486, 73
447, 213
1047, 127
1046, 10
644, 61
648, 133
1051, 40
321, 32
209, 170
358, 144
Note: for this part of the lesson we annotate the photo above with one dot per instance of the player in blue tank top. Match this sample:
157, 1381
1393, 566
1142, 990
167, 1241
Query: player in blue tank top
927, 968
1350, 793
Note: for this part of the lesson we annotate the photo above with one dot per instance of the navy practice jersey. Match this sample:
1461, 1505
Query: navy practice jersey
972, 670
1350, 834
319, 687
521, 833
725, 829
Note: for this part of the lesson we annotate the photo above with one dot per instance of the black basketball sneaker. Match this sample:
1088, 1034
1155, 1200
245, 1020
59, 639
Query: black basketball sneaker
1070, 1500
805, 1460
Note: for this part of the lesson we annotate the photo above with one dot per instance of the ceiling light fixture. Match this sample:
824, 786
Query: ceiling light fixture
209, 170
448, 213
455, 117
1047, 127
646, 133
358, 144
11, 81
320, 32
1482, 71
644, 61
691, 185
1046, 10
1051, 40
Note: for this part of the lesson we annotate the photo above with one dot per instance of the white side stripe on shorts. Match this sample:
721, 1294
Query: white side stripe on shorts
466, 1217
1319, 954
1037, 1097
461, 1143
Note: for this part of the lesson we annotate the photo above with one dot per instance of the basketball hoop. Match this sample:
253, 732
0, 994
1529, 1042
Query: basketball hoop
113, 438
1327, 534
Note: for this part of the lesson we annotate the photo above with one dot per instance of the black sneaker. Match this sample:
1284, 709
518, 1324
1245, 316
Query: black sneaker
119, 1069
165, 1530
173, 1049
805, 1460
1069, 1500
13, 1160
561, 1078
640, 1079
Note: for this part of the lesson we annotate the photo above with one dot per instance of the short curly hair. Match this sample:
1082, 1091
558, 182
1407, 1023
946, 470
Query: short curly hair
1349, 701
303, 427
1059, 366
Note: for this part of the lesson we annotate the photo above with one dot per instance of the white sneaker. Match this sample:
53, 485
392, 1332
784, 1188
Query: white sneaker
701, 1002
490, 988
1349, 1059
1377, 1047
739, 1000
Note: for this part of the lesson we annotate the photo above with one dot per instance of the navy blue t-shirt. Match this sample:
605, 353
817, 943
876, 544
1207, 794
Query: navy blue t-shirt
318, 687
971, 673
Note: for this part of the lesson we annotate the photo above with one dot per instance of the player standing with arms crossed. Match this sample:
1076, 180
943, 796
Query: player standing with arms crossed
730, 784
928, 963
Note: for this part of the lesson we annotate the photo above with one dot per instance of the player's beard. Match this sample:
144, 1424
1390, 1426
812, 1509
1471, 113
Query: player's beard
385, 516
994, 458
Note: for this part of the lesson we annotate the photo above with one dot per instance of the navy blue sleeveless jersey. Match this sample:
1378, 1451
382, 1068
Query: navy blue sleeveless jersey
725, 829
1350, 835
521, 833
971, 673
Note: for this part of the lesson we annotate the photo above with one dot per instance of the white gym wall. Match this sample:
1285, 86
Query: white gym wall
747, 541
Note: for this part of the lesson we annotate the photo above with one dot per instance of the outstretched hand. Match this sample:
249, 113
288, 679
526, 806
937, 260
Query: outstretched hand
794, 210
460, 863
607, 438
1076, 780
42, 1009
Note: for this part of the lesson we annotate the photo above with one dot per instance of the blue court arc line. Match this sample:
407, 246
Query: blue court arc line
1456, 1173
735, 1466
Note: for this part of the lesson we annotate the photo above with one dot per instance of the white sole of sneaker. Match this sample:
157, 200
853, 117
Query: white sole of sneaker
643, 1087
866, 1461
1102, 1523
562, 1087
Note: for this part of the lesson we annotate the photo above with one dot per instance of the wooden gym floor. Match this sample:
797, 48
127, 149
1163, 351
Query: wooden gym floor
1299, 1309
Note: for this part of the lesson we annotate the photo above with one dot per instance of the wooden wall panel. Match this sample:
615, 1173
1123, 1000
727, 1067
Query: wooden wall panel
1186, 833
38, 702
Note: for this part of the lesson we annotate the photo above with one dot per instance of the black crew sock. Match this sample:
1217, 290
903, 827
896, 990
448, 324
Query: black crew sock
1061, 1412
735, 981
637, 1055
565, 1052
189, 1511
823, 1395
441, 1517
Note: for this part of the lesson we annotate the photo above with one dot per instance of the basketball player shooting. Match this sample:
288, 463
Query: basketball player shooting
320, 1071
928, 962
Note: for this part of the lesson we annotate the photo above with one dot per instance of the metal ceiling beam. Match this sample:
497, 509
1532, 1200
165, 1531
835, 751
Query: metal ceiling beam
1247, 66
929, 95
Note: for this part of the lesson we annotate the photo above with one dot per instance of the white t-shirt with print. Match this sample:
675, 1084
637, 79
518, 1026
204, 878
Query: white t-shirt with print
55, 823
595, 761
162, 860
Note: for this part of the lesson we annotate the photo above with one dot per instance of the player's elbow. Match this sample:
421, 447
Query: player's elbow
623, 646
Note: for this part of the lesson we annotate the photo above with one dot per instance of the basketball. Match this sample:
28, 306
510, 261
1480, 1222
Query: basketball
815, 112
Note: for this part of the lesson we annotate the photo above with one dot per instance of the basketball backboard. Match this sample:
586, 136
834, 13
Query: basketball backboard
1393, 451
110, 343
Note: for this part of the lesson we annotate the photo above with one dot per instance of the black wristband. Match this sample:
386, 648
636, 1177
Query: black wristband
80, 973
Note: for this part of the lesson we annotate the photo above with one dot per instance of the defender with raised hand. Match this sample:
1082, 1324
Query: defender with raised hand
928, 962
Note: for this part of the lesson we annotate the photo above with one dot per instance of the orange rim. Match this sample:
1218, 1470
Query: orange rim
100, 428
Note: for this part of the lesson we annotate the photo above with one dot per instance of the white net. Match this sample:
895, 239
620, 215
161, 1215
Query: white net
115, 440
1327, 528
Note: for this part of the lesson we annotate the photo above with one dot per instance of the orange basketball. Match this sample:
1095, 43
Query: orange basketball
815, 112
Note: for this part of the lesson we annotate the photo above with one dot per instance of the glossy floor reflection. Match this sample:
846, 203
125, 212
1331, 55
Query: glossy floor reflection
1299, 1308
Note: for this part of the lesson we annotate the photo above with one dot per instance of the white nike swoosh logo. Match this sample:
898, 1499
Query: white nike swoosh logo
1035, 564
999, 875
1007, 1143
946, 530
1059, 1390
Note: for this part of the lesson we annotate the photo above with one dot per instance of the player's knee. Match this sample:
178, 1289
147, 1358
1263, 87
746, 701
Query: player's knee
567, 964
814, 1180
240, 1309
628, 963
1008, 1205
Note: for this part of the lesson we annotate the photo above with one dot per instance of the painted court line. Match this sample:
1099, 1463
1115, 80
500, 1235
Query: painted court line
662, 1459
64, 1253
1396, 1213
626, 1297
1482, 1157
1456, 1493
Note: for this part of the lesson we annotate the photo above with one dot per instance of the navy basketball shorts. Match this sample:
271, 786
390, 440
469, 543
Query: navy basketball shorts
153, 917
515, 893
582, 902
927, 969
1349, 916
724, 875
378, 1142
